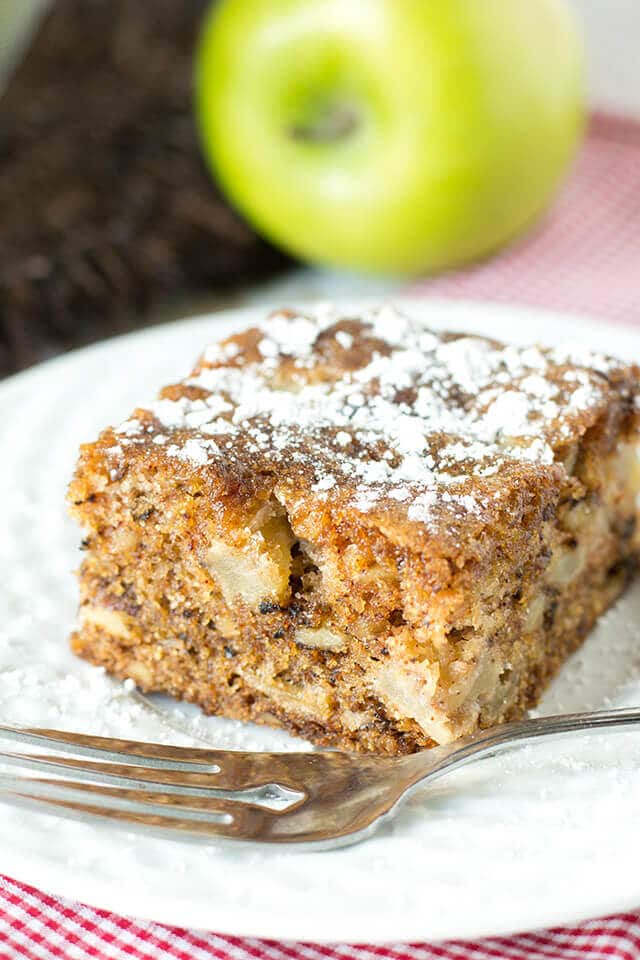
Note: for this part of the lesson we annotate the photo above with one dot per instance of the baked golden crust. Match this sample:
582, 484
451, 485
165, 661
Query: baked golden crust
374, 535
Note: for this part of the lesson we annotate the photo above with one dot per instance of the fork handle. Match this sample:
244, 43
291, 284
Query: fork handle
484, 743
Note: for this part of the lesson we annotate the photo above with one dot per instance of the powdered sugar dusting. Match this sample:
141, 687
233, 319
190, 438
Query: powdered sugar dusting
194, 450
401, 415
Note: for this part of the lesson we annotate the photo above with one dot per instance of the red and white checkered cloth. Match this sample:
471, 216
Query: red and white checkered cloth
35, 926
584, 258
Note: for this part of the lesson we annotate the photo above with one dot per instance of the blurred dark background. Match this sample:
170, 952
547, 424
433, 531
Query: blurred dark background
106, 208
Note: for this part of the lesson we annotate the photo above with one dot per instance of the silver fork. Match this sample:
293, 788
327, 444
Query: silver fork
318, 799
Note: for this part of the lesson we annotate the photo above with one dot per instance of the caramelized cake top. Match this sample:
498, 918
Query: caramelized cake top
379, 414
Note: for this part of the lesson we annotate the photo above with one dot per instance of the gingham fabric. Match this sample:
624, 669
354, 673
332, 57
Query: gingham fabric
35, 926
585, 258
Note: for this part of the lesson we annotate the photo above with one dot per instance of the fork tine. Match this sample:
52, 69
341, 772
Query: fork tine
247, 822
207, 783
201, 807
68, 742
233, 769
198, 804
223, 819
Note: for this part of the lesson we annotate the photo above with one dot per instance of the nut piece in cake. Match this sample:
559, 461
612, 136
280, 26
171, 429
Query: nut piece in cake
378, 536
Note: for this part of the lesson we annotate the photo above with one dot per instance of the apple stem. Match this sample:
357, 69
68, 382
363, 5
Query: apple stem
336, 123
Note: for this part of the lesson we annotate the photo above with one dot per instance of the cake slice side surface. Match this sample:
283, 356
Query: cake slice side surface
347, 531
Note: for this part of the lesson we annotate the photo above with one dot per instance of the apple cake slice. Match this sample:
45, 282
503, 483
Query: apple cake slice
377, 536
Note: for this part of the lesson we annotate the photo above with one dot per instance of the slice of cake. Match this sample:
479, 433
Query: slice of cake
374, 535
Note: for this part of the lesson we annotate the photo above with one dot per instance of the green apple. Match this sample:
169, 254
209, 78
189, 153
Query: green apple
390, 135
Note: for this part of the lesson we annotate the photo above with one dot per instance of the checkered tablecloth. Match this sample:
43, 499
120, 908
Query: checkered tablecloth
585, 257
35, 926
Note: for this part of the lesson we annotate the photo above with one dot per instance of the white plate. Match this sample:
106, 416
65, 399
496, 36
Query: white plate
549, 834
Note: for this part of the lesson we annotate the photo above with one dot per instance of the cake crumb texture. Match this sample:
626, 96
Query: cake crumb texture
376, 535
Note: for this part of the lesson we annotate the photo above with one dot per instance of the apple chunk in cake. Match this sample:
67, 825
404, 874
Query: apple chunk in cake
377, 536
